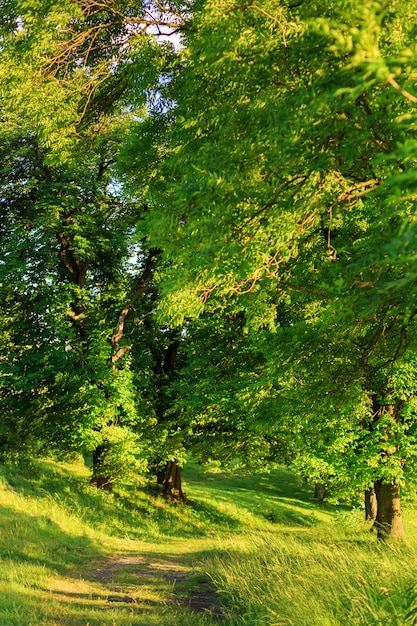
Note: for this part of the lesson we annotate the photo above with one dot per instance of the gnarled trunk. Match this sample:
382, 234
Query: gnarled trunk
169, 479
388, 523
100, 478
371, 505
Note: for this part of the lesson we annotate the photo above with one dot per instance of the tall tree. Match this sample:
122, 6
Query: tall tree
66, 66
285, 186
277, 164
73, 75
69, 281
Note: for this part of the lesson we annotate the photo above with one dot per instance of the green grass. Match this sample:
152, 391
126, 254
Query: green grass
71, 555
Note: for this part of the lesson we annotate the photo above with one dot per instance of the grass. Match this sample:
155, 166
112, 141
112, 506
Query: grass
260, 546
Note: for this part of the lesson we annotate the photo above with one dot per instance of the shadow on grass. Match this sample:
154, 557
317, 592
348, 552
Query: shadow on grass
218, 500
129, 511
38, 540
40, 581
278, 497
44, 607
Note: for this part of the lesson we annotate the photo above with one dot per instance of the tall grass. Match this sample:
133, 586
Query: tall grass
56, 531
305, 563
276, 556
324, 582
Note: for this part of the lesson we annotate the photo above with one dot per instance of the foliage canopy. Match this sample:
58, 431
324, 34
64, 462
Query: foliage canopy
270, 159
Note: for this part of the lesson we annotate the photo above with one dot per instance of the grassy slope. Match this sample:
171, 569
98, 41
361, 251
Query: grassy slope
69, 552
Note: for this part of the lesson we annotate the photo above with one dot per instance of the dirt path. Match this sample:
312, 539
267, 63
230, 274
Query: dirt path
129, 579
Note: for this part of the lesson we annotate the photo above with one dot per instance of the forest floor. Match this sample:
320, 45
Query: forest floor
248, 550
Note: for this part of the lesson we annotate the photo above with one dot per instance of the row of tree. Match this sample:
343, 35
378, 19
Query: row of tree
207, 231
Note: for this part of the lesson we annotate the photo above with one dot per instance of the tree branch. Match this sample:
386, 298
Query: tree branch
143, 286
349, 195
402, 91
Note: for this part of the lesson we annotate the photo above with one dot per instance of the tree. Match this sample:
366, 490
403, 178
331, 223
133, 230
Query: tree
285, 186
67, 67
274, 157
69, 281
74, 76
218, 391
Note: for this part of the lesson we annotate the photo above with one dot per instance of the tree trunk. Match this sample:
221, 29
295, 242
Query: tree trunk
388, 521
169, 479
319, 491
371, 505
100, 478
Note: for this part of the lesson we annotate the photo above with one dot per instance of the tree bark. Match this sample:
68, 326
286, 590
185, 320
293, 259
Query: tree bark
319, 491
99, 478
388, 522
371, 505
169, 477
169, 480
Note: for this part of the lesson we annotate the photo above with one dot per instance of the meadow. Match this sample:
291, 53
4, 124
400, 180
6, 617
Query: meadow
248, 550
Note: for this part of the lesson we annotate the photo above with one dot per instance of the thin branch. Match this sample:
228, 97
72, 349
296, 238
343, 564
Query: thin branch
349, 195
281, 22
253, 280
76, 317
265, 208
141, 21
272, 17
402, 91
